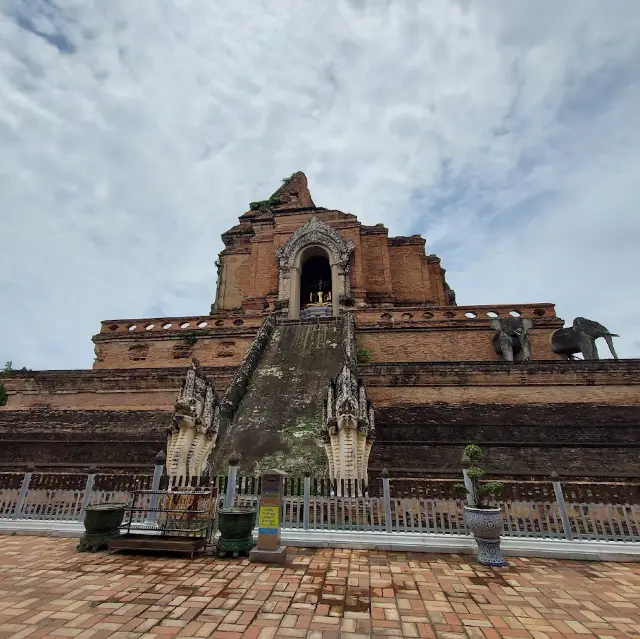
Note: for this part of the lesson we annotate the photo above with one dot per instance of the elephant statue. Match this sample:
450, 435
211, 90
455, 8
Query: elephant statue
512, 337
581, 338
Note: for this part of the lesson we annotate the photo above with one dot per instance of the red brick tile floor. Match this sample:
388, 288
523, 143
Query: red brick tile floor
49, 590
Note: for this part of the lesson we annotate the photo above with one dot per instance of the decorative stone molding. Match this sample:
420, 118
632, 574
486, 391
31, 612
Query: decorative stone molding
348, 430
350, 345
315, 232
194, 429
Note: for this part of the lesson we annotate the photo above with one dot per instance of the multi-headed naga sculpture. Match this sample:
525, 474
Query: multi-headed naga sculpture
194, 429
348, 430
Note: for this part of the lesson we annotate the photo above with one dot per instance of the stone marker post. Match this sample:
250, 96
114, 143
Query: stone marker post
268, 549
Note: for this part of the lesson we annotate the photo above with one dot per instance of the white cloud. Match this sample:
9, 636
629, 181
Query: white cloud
135, 132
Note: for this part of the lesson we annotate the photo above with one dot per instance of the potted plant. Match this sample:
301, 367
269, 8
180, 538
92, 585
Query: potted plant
482, 518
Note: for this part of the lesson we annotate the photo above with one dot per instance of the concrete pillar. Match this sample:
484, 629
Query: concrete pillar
336, 289
234, 460
386, 492
307, 499
158, 469
268, 549
22, 495
88, 489
294, 293
557, 489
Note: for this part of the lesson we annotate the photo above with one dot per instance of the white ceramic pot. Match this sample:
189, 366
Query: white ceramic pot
486, 526
484, 523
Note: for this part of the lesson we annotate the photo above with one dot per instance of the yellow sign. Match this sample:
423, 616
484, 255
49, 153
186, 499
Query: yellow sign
268, 517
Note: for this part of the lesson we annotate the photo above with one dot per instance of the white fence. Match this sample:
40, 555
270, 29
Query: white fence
22, 498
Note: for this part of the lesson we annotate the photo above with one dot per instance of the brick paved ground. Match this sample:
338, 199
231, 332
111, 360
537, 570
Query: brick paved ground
47, 590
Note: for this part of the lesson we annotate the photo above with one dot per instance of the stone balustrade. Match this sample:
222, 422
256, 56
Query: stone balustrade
421, 314
179, 324
368, 315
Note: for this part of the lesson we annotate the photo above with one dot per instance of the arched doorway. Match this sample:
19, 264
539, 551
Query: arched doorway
316, 283
315, 237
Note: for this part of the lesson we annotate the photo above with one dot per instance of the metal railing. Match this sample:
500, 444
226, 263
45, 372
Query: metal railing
311, 504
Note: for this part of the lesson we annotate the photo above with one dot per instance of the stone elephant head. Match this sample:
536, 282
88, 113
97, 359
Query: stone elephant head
512, 336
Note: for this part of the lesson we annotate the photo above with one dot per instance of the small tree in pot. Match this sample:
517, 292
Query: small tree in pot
482, 518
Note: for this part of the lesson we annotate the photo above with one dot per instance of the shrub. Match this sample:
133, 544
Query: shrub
4, 396
190, 339
363, 354
481, 493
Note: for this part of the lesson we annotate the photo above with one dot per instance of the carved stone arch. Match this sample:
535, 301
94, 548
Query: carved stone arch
317, 233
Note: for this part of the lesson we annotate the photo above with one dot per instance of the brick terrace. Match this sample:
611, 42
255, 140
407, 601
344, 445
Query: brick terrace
48, 590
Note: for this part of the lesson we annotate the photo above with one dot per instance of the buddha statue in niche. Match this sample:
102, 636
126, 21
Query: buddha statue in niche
322, 294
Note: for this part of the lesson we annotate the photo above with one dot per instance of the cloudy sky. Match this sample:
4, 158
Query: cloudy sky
133, 132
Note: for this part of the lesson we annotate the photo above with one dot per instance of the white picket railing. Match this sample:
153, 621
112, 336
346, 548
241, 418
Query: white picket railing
553, 520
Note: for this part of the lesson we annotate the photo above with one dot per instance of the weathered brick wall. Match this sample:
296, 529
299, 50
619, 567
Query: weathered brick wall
216, 340
265, 266
147, 351
623, 395
580, 440
380, 264
522, 459
579, 373
580, 418
411, 283
68, 439
374, 255
606, 382
438, 344
135, 389
237, 283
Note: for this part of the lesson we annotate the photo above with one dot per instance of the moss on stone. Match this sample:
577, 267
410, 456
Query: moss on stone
301, 450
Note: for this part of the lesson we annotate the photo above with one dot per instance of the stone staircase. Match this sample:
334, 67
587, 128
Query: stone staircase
278, 419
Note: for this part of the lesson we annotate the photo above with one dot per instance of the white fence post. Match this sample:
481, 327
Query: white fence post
557, 489
88, 489
24, 489
387, 500
234, 460
158, 469
307, 499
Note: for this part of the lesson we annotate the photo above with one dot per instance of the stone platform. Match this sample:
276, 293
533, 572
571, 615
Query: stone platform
48, 590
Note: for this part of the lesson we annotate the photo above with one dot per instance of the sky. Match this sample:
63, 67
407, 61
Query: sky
134, 132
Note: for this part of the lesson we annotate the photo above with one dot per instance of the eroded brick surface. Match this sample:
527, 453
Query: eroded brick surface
47, 590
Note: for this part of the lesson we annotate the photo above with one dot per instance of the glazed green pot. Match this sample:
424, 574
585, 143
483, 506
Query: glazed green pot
103, 518
101, 523
236, 523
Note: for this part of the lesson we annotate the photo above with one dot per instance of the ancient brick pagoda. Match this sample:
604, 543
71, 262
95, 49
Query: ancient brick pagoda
323, 326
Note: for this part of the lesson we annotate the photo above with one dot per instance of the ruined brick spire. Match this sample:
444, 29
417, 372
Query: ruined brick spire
293, 194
